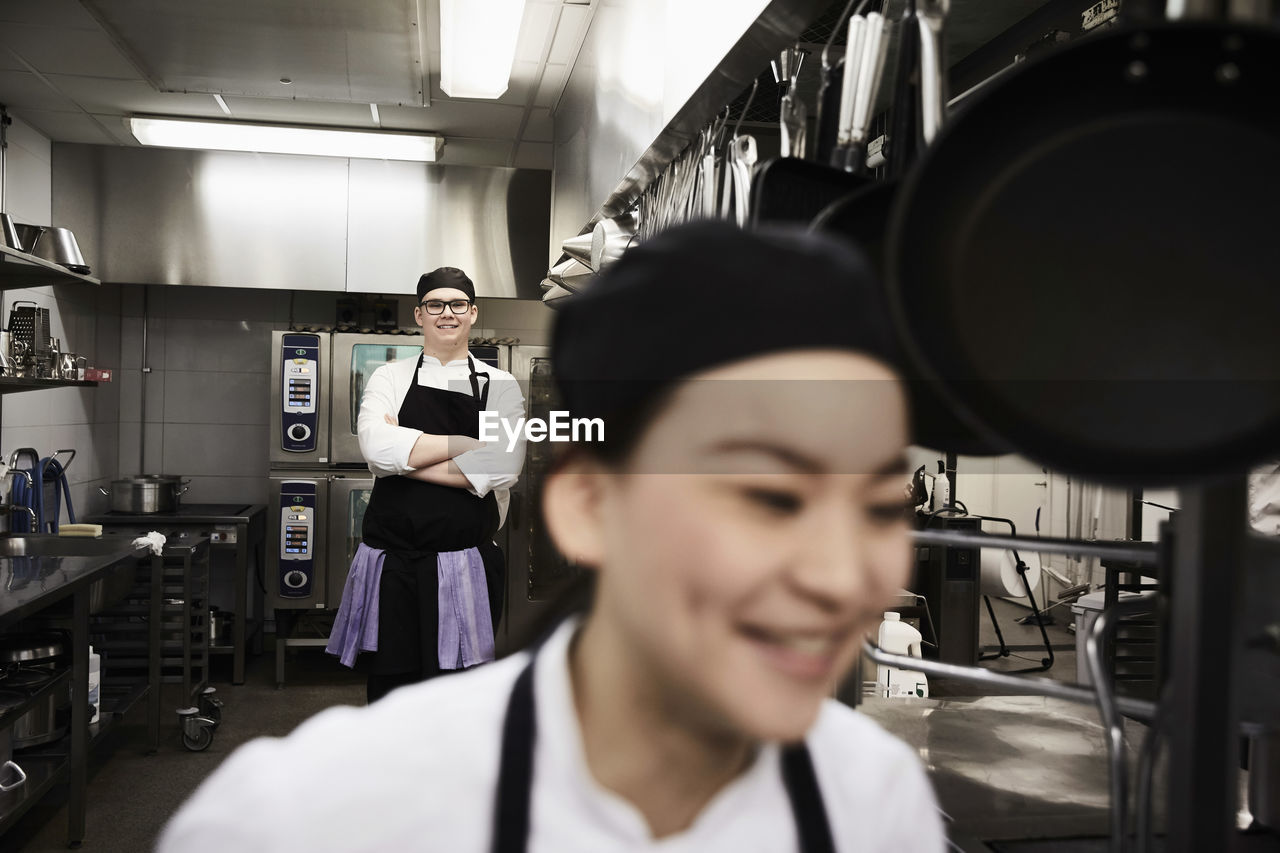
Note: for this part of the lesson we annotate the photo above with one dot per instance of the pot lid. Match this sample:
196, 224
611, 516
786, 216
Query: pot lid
31, 647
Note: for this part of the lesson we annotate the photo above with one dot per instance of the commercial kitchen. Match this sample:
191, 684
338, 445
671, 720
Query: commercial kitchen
215, 215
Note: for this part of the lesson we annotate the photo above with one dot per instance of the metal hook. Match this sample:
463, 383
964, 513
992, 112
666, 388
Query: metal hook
755, 84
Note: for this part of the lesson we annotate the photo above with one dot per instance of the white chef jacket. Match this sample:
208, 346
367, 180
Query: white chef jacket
386, 448
418, 769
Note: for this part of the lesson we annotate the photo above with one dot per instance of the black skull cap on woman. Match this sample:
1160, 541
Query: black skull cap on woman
706, 294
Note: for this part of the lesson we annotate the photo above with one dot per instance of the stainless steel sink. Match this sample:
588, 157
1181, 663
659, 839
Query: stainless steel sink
43, 545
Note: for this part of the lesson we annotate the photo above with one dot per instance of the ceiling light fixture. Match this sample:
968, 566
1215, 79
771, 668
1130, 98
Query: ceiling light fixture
222, 105
478, 46
280, 139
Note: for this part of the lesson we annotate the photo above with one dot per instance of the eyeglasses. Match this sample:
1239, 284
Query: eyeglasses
457, 306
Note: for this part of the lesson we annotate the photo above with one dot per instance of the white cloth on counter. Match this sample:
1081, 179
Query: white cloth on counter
1264, 498
417, 770
154, 540
386, 448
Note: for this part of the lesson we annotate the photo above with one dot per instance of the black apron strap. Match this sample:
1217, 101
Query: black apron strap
515, 769
806, 800
482, 398
515, 781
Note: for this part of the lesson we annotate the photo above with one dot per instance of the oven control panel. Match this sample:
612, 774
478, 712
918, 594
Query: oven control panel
297, 538
300, 390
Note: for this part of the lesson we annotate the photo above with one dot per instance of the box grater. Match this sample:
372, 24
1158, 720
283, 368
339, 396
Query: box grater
29, 324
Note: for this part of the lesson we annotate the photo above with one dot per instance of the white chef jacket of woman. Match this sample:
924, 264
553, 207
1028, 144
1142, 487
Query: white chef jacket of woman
418, 769
386, 448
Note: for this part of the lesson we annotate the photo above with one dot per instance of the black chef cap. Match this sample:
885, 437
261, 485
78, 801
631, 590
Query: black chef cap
446, 277
706, 294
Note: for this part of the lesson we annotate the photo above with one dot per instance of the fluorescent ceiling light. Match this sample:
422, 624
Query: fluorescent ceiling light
478, 46
277, 139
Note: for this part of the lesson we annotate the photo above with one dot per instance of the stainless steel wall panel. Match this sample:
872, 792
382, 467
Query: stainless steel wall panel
409, 218
648, 77
162, 216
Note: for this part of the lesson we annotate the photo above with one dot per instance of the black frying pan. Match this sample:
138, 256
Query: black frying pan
1088, 260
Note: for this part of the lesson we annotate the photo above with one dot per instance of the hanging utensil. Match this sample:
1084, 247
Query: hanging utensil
848, 91
744, 161
868, 86
793, 114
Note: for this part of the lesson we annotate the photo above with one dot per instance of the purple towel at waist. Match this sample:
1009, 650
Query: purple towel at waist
465, 636
355, 628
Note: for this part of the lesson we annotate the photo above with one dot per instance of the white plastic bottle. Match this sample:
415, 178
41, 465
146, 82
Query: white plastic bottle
899, 638
941, 496
95, 683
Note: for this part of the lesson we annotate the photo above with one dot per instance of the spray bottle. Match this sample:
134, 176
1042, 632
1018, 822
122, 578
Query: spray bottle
899, 638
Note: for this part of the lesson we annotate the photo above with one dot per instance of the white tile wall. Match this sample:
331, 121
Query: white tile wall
86, 320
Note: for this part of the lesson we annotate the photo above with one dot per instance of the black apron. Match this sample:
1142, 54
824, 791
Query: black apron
412, 521
515, 779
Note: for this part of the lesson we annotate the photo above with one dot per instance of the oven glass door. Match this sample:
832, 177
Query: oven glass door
348, 499
355, 358
535, 570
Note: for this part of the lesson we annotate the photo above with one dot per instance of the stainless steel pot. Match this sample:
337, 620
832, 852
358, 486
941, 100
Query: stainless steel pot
146, 493
59, 246
30, 661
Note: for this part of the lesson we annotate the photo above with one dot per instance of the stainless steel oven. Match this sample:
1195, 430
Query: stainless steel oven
314, 517
536, 573
355, 357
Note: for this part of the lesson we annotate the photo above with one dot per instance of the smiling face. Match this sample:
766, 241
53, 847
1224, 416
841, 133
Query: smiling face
755, 535
446, 331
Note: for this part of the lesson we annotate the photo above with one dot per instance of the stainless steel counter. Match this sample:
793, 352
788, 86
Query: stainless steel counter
56, 570
1011, 767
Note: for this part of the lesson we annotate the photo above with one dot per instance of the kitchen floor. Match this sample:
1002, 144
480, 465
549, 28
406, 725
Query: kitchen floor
131, 794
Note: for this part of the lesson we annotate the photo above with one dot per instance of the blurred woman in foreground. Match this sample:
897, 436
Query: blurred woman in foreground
742, 527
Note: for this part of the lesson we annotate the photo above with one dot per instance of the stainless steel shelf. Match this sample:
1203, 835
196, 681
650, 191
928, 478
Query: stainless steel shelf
13, 384
42, 773
18, 269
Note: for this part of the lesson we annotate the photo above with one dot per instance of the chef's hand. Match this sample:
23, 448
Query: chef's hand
391, 420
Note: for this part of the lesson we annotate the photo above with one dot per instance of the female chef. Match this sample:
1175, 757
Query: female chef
425, 586
744, 526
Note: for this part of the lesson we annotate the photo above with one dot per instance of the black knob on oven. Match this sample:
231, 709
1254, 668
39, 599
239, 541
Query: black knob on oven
295, 580
299, 432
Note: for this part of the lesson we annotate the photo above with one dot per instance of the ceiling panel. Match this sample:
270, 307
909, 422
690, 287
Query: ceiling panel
67, 127
475, 152
552, 83
67, 51
538, 20
463, 118
540, 126
300, 112
49, 13
22, 90
573, 22
533, 155
97, 95
338, 50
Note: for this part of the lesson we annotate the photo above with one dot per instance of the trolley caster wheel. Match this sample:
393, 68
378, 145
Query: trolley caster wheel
197, 729
200, 741
211, 705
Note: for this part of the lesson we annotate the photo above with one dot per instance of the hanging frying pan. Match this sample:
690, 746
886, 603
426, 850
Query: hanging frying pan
862, 218
1086, 257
